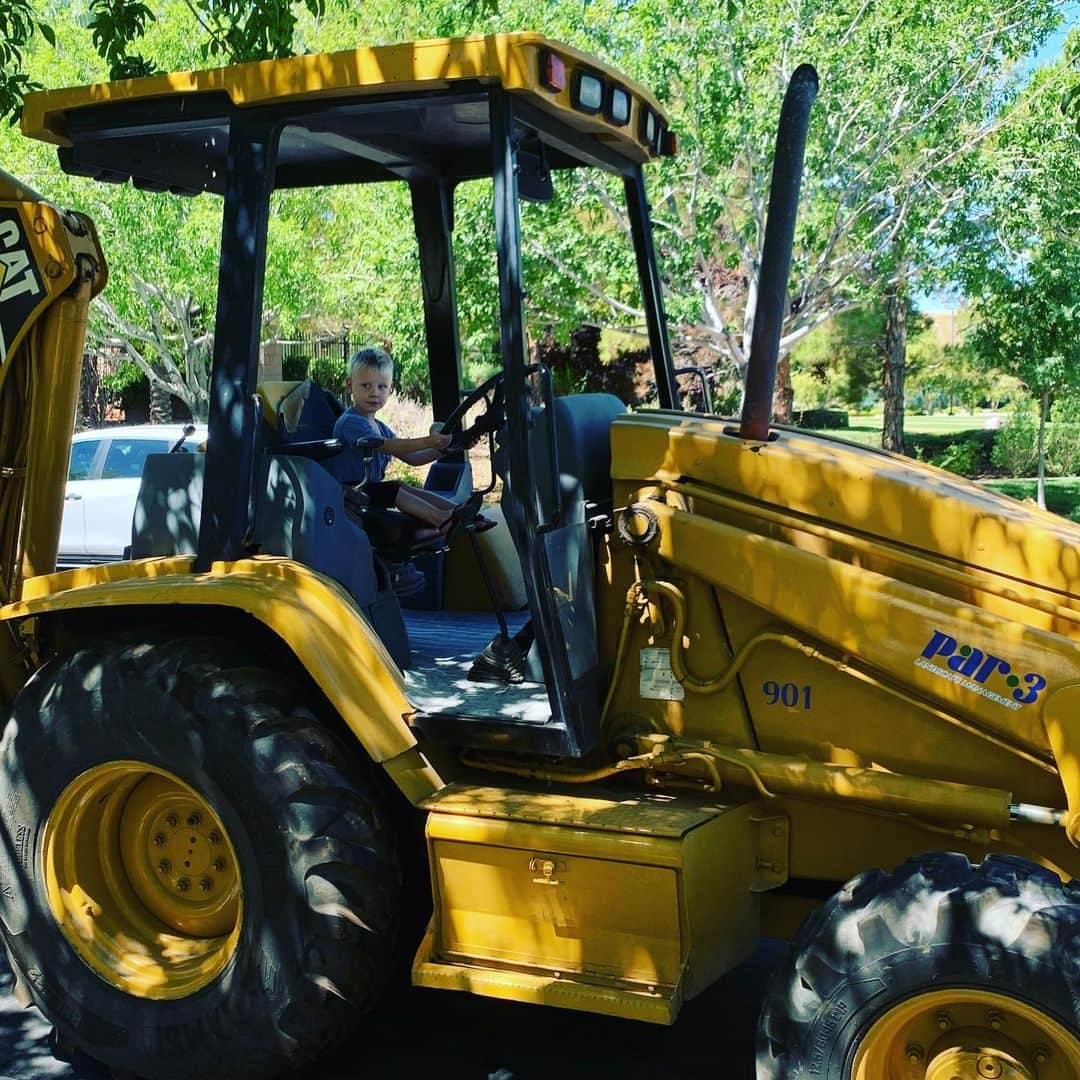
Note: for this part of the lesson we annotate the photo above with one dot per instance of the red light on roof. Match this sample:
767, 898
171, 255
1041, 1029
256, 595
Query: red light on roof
553, 71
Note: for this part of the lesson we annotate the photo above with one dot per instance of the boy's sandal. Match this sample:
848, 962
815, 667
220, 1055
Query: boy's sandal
463, 515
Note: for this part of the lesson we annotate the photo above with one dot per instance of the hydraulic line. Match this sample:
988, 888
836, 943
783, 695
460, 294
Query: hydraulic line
720, 682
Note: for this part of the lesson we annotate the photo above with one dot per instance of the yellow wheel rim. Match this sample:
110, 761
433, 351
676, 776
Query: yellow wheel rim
963, 1034
142, 879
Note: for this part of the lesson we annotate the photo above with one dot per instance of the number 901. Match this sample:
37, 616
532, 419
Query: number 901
786, 694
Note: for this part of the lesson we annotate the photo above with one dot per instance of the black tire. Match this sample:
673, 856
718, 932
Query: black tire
306, 818
1006, 926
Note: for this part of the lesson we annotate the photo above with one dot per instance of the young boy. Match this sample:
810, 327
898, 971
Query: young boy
371, 378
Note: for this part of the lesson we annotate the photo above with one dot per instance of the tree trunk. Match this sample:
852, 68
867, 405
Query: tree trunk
784, 396
160, 403
892, 435
1040, 482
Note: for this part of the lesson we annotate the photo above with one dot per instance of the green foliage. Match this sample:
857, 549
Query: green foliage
1063, 437
1015, 450
329, 373
1028, 321
17, 27
846, 355
886, 169
114, 25
959, 457
238, 30
964, 452
294, 367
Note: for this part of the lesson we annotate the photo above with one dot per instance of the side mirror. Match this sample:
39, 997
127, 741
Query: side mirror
534, 177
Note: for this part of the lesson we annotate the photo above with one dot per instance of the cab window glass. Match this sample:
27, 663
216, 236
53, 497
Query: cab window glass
126, 456
82, 457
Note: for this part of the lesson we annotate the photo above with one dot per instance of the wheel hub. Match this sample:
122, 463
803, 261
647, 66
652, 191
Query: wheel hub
175, 855
142, 879
966, 1034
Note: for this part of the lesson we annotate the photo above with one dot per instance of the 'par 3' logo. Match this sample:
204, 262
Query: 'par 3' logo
972, 668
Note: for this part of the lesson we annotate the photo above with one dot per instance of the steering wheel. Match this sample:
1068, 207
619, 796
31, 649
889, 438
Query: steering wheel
488, 421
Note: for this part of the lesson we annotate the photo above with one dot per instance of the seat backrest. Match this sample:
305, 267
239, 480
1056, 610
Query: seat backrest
169, 506
583, 442
307, 412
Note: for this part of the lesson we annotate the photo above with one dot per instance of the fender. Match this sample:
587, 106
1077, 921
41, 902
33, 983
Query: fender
312, 615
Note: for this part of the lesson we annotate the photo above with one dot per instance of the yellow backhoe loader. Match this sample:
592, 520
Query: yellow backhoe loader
706, 680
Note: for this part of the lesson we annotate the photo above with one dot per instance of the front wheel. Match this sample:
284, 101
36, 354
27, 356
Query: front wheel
939, 971
199, 878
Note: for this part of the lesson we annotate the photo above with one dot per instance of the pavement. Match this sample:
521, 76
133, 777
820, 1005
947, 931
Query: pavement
459, 1037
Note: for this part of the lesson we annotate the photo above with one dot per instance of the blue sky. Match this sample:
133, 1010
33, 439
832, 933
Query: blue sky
1052, 49
948, 300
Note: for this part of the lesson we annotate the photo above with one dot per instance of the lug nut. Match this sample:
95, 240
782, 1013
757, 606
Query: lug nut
214, 837
914, 1053
184, 884
172, 821
995, 1020
160, 839
944, 1021
1042, 1055
206, 884
194, 819
164, 866
219, 865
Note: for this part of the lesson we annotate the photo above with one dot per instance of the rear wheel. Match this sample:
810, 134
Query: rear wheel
940, 971
199, 878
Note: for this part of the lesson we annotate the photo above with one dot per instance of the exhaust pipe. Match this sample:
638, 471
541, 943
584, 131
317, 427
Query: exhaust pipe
776, 254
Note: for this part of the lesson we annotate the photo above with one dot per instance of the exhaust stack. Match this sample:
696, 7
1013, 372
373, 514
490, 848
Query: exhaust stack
776, 255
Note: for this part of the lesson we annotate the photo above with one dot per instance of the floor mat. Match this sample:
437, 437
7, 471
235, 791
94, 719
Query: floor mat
444, 645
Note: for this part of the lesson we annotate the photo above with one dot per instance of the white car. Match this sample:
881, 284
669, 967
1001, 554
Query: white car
103, 486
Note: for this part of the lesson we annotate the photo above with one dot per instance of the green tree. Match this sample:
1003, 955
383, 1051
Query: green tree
228, 31
1028, 323
908, 94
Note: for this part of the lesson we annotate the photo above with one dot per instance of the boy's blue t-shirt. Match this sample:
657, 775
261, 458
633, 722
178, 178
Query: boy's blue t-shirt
352, 425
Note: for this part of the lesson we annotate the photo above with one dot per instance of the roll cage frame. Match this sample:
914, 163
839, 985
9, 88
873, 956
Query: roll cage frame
253, 170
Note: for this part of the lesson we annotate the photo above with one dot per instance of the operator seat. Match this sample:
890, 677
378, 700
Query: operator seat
303, 418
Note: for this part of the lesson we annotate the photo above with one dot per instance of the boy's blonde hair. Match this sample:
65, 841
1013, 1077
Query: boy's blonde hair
371, 356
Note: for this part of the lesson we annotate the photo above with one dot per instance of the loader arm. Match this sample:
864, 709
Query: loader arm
51, 266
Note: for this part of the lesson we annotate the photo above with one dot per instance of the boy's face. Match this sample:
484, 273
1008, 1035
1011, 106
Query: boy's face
370, 388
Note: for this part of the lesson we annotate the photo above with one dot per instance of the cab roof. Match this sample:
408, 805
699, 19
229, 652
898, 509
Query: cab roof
409, 111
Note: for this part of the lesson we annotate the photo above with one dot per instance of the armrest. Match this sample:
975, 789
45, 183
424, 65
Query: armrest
316, 449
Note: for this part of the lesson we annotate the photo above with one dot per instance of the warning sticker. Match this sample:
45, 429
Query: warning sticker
657, 681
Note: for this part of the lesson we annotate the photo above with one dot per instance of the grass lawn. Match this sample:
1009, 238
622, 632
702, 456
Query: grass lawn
867, 429
1062, 493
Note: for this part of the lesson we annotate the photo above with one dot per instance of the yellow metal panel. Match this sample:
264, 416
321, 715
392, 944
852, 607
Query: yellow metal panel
566, 992
558, 912
310, 613
669, 912
869, 492
594, 844
887, 623
509, 59
628, 812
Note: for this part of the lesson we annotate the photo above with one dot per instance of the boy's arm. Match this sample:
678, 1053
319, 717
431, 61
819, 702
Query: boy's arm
417, 451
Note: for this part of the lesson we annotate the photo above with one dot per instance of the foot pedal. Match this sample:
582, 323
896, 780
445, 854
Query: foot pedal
502, 661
